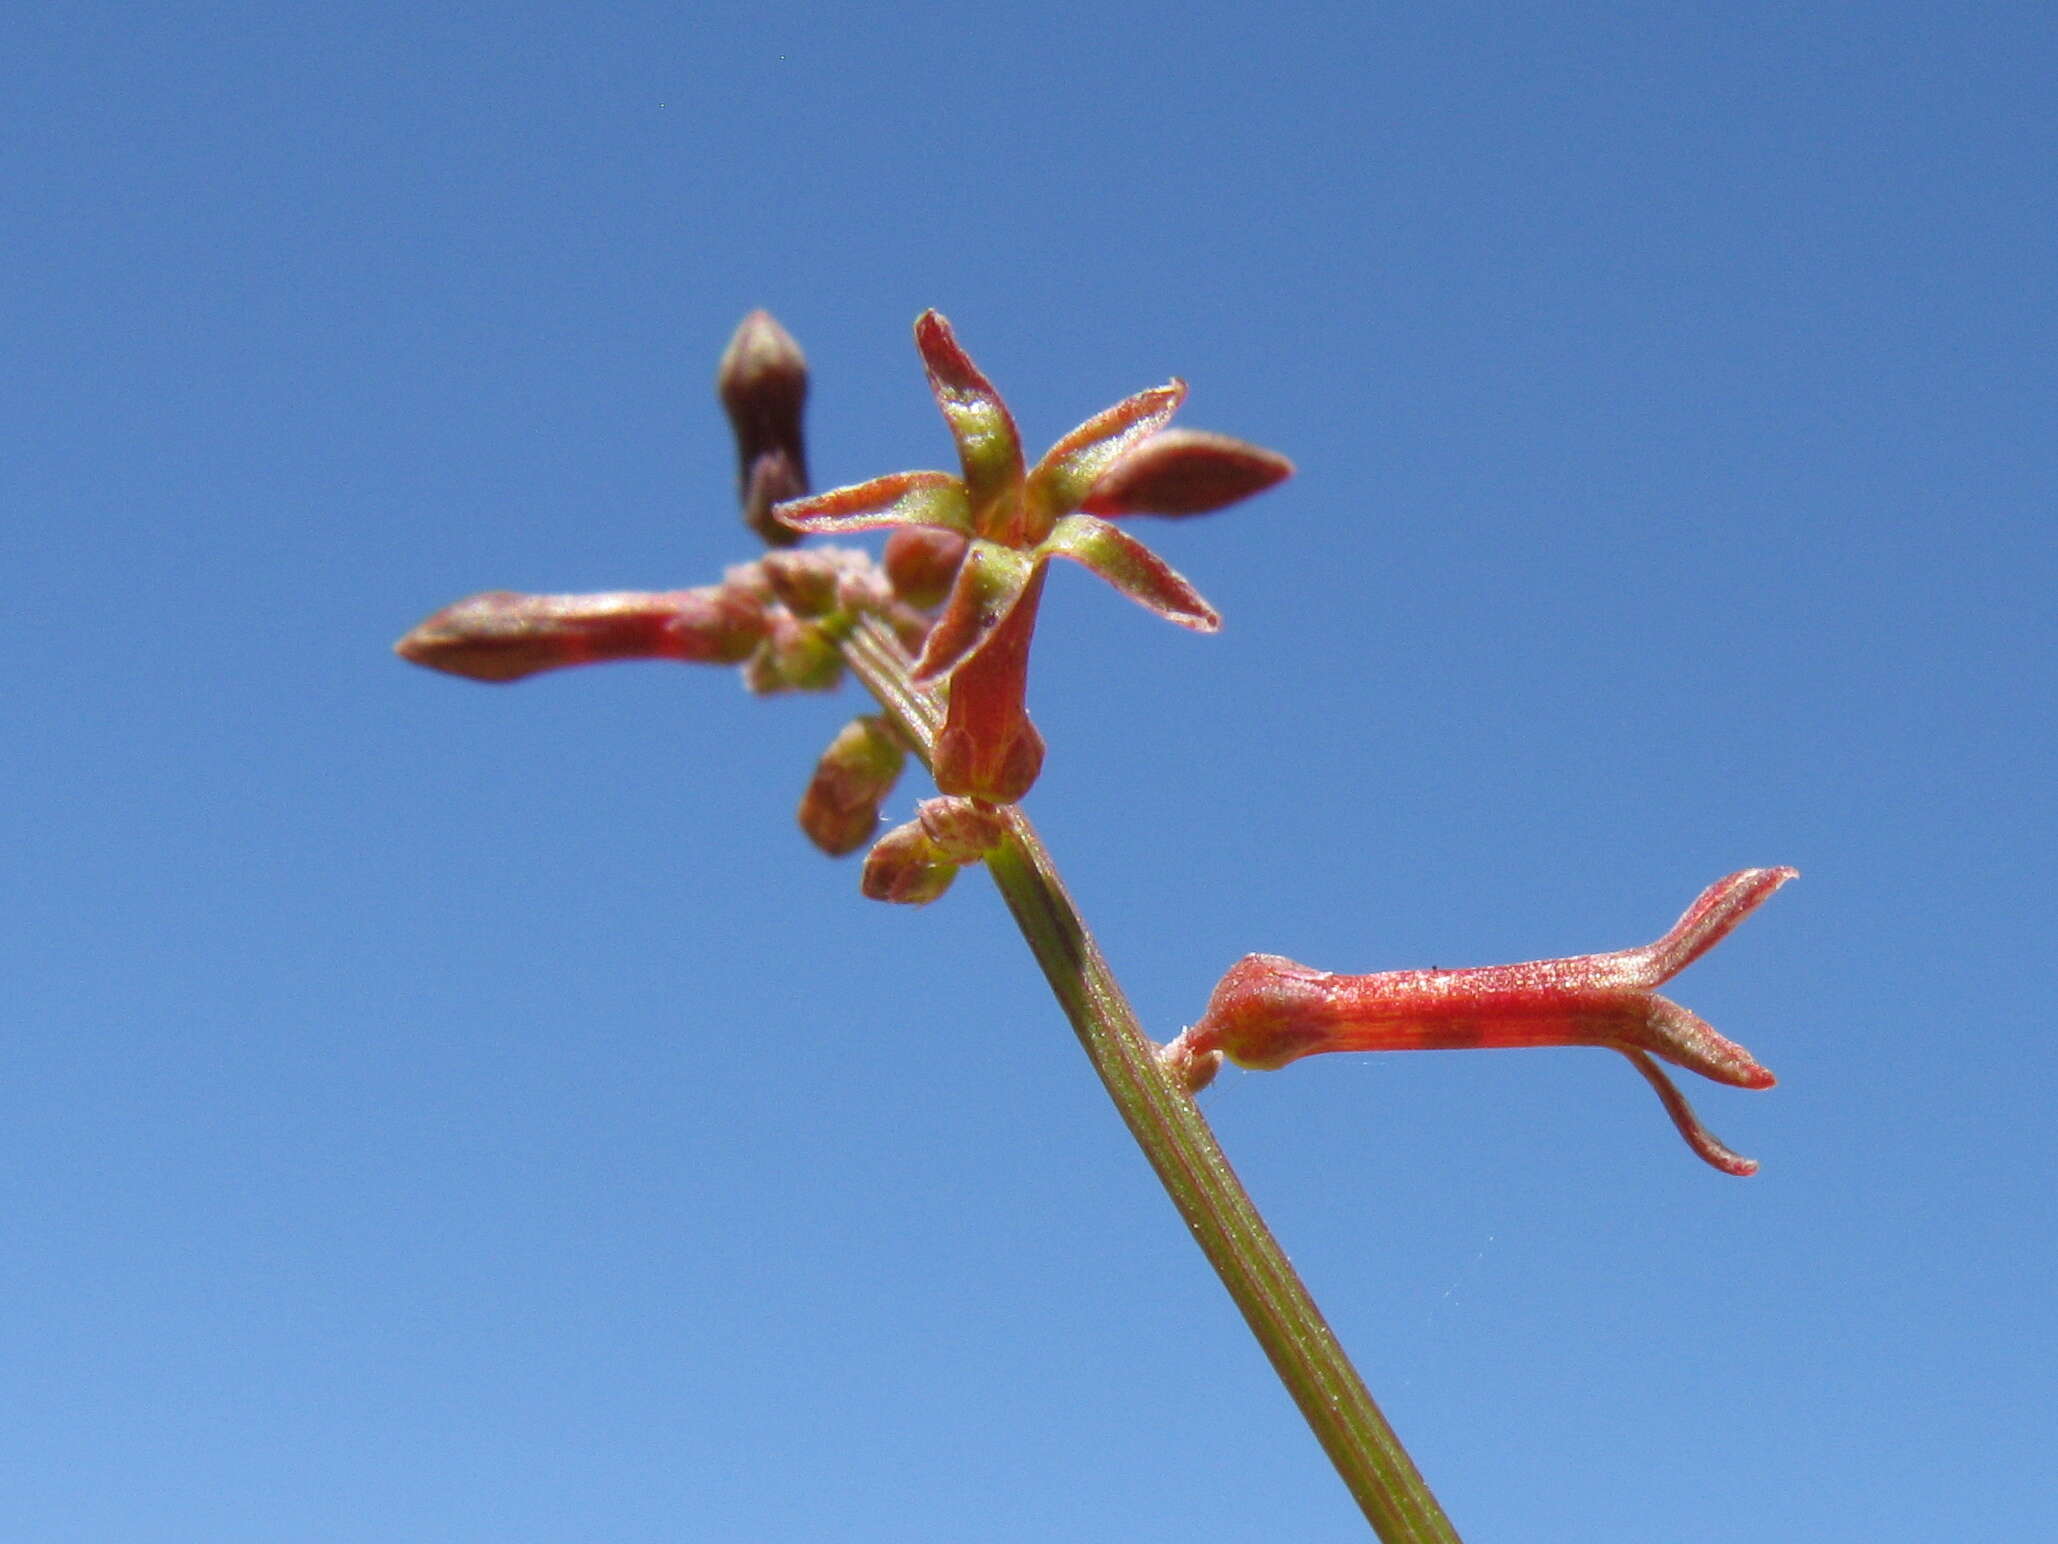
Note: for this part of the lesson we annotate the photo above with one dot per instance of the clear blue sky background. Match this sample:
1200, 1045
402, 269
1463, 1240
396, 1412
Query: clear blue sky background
448, 1113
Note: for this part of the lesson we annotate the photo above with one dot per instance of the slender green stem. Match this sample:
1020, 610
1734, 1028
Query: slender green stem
1180, 1145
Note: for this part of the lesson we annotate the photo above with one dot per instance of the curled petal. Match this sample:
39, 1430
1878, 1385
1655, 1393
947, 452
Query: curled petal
1713, 917
990, 583
979, 421
1132, 568
1185, 472
1690, 1041
1072, 466
902, 498
1703, 1141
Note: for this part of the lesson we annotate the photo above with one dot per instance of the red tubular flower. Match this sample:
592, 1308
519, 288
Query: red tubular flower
1014, 519
1268, 1011
503, 636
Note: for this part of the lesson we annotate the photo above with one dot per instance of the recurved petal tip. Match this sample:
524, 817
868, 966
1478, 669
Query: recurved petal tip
1714, 915
1707, 1147
1683, 1036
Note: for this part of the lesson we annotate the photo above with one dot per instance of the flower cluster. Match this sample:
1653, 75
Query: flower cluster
958, 588
1003, 521
976, 545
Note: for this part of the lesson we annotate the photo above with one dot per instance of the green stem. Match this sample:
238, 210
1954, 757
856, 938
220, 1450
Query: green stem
1182, 1148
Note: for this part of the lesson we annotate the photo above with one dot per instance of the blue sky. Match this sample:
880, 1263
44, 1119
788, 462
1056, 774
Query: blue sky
441, 1112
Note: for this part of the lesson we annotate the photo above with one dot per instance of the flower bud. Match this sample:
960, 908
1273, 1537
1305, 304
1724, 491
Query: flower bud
1185, 472
905, 867
862, 590
803, 582
773, 479
762, 381
840, 810
749, 579
961, 830
503, 636
796, 656
921, 561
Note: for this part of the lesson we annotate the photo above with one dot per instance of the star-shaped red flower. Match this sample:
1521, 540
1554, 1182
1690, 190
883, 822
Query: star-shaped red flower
1014, 519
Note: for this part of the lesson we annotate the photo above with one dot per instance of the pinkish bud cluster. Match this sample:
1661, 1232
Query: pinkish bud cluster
912, 865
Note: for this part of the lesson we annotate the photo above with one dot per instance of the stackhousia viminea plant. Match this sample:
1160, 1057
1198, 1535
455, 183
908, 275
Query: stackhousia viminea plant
938, 630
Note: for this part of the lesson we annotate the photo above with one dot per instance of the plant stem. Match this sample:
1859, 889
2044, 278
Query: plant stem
1181, 1147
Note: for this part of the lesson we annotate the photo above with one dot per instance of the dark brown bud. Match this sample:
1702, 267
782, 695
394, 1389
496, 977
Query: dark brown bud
840, 810
762, 381
503, 636
1185, 472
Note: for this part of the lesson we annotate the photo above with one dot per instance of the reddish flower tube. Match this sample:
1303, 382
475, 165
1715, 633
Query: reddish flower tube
1268, 1011
503, 636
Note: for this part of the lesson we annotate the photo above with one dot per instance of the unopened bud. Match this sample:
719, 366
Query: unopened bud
1191, 1070
961, 829
797, 656
803, 582
762, 381
840, 810
749, 579
905, 868
503, 636
861, 589
921, 561
1185, 472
